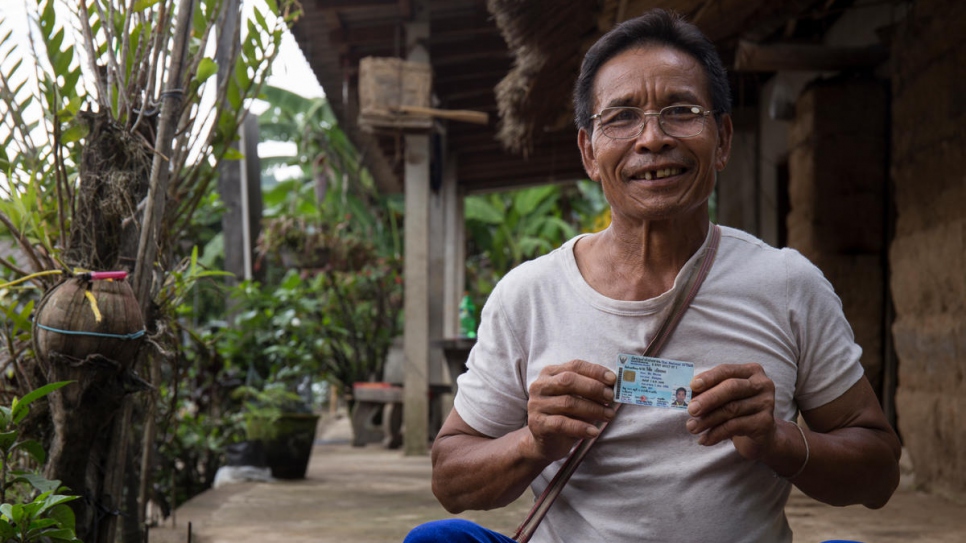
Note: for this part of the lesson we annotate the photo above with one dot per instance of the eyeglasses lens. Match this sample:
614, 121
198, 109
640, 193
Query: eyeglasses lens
628, 122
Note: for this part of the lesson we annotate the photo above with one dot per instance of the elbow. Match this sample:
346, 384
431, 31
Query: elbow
882, 497
888, 481
447, 498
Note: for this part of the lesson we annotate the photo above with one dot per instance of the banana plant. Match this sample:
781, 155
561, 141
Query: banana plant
335, 193
507, 228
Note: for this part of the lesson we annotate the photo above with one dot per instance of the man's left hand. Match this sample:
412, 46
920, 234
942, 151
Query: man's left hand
735, 402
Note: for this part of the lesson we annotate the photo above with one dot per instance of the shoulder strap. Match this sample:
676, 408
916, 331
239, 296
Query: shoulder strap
681, 303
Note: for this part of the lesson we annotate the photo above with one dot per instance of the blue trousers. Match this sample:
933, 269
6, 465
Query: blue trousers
454, 530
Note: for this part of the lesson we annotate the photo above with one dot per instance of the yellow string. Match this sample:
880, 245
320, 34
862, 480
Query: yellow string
31, 276
90, 297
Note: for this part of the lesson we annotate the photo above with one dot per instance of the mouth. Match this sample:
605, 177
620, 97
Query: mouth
656, 174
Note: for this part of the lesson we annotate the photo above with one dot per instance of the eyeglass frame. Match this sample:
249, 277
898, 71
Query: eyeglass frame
704, 113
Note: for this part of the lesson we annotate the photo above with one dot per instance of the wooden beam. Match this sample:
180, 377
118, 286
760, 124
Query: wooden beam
757, 57
353, 4
461, 115
365, 35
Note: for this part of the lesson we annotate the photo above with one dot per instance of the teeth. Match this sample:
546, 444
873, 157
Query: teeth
660, 174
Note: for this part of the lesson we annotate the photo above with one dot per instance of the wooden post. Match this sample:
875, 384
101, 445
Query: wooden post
416, 269
436, 291
239, 185
454, 249
416, 334
454, 264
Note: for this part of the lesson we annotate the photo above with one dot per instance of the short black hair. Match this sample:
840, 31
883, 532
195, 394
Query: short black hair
657, 26
681, 389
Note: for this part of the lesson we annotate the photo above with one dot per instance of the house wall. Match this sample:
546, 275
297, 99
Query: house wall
928, 254
837, 187
736, 183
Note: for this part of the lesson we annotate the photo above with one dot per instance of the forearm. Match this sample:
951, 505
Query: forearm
471, 472
853, 465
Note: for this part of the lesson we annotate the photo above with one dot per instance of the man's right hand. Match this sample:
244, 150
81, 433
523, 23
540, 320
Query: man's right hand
566, 402
474, 471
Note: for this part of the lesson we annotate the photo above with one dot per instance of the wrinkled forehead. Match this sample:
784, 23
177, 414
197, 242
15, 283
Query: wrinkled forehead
654, 74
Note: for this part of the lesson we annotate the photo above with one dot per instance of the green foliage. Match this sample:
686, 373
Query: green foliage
275, 335
363, 314
331, 223
197, 402
264, 407
335, 196
505, 229
45, 517
333, 325
130, 47
125, 49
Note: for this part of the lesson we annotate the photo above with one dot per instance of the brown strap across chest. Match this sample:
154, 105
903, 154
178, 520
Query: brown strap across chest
681, 303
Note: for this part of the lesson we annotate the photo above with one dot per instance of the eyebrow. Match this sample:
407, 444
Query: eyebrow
676, 97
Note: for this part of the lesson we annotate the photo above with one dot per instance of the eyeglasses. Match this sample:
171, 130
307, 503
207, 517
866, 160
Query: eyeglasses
621, 123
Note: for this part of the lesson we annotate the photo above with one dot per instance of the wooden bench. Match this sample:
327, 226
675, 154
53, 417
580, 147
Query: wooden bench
371, 398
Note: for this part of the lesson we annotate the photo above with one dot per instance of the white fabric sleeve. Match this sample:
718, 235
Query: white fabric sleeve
829, 359
492, 394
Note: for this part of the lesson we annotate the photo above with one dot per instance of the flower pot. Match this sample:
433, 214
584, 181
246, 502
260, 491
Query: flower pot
287, 442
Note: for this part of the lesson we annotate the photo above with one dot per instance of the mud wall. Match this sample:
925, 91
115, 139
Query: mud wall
928, 255
837, 184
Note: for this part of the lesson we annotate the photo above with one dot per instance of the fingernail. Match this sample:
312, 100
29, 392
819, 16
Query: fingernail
609, 413
592, 431
697, 384
694, 408
608, 394
610, 378
691, 425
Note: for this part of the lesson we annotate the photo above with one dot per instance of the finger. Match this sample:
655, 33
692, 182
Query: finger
731, 410
574, 407
718, 374
547, 427
731, 390
588, 369
564, 383
753, 426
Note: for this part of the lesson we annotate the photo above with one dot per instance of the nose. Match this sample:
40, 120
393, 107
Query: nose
652, 137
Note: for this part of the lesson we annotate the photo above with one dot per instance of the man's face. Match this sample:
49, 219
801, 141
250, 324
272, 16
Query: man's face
681, 171
681, 395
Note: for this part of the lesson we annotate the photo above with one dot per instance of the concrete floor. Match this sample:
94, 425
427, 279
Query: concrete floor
374, 495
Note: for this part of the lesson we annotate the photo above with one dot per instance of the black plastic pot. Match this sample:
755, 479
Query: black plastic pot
246, 453
287, 442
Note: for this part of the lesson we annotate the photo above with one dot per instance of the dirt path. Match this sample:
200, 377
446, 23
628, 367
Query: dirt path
372, 495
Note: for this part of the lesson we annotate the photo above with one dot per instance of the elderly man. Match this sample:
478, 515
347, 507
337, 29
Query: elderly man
765, 334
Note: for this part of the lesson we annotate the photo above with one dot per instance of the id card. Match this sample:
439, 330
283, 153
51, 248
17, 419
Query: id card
654, 382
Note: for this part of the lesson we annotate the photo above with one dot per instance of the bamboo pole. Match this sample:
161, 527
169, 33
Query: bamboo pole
158, 188
462, 115
153, 215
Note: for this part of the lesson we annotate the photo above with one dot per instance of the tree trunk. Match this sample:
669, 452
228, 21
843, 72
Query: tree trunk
114, 178
82, 414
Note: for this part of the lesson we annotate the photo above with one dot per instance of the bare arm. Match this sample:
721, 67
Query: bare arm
475, 471
853, 453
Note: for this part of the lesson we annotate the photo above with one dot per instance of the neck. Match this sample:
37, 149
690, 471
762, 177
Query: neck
639, 262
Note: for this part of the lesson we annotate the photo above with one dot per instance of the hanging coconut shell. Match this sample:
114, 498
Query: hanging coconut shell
81, 317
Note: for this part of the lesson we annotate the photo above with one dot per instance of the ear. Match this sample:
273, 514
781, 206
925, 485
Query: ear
587, 155
723, 152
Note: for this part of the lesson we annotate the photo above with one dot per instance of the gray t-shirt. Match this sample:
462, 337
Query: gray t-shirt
647, 479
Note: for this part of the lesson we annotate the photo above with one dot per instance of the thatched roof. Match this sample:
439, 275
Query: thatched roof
548, 39
517, 60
